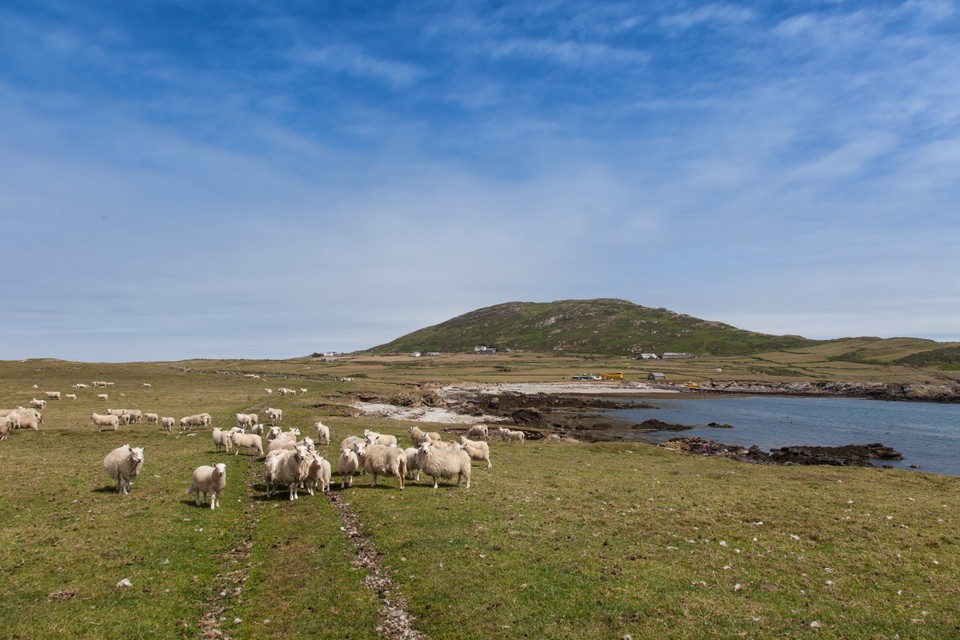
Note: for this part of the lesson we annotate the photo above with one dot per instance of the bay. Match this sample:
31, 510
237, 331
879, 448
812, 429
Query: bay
927, 434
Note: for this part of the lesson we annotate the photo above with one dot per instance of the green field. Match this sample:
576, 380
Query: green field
556, 541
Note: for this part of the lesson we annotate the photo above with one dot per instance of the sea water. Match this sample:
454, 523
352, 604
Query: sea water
927, 434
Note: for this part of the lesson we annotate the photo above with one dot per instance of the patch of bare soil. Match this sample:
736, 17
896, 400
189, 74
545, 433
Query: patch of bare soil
396, 623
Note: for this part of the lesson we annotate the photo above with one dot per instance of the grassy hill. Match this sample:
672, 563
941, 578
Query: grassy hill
601, 326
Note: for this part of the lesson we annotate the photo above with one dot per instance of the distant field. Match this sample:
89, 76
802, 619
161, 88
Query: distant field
556, 541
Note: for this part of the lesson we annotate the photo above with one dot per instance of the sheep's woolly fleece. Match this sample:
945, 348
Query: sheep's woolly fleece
419, 414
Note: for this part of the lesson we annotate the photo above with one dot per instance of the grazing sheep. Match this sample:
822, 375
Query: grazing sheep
289, 443
39, 404
444, 463
288, 467
6, 426
510, 435
413, 464
287, 392
379, 460
189, 422
347, 465
207, 419
323, 433
168, 423
372, 437
257, 429
351, 442
99, 383
318, 474
476, 449
135, 415
417, 436
222, 438
53, 395
247, 441
147, 385
151, 418
124, 464
245, 420
103, 421
303, 389
71, 396
481, 431
269, 391
275, 415
209, 480
80, 385
103, 396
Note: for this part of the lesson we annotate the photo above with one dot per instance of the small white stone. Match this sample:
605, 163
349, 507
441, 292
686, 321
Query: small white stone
125, 583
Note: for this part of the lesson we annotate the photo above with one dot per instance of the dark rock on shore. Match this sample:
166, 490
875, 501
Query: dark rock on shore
858, 455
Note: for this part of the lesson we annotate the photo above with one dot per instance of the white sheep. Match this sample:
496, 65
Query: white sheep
39, 404
207, 419
347, 465
379, 460
222, 438
53, 395
413, 465
318, 474
275, 415
189, 422
417, 436
444, 463
245, 420
257, 429
510, 435
269, 391
104, 421
80, 385
103, 396
303, 389
168, 423
288, 467
6, 426
351, 442
151, 418
209, 480
476, 449
323, 433
372, 437
247, 441
289, 443
71, 396
147, 385
481, 431
124, 464
135, 415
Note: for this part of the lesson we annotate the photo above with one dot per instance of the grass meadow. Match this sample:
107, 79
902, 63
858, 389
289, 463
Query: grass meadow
557, 540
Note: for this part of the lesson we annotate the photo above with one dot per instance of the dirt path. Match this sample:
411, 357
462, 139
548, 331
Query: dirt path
396, 623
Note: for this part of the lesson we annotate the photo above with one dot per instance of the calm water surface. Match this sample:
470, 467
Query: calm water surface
928, 435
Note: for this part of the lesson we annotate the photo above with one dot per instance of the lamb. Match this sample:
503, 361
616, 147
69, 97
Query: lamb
247, 419
417, 436
378, 460
53, 395
222, 438
209, 480
476, 449
479, 431
103, 396
444, 463
247, 441
288, 468
303, 389
510, 434
323, 433
168, 422
318, 474
347, 465
275, 415
413, 464
124, 464
39, 404
151, 418
71, 396
103, 421
372, 437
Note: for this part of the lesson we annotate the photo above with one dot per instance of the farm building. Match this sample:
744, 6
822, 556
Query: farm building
656, 376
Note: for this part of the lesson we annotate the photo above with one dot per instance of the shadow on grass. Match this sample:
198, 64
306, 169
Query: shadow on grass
108, 489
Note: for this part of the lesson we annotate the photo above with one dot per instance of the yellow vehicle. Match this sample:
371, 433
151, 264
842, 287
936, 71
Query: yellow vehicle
612, 376
691, 385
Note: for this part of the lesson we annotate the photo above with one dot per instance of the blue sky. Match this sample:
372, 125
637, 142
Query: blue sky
268, 179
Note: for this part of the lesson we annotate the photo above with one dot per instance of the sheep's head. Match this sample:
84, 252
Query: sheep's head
301, 452
424, 447
370, 436
136, 454
220, 469
308, 443
295, 431
275, 431
359, 448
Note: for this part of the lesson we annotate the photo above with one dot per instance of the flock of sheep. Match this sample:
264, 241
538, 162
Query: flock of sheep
289, 462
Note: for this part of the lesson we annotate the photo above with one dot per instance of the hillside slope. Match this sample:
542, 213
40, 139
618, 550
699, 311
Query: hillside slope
601, 326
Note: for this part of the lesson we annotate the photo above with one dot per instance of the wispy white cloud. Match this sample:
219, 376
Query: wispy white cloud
708, 14
569, 52
354, 61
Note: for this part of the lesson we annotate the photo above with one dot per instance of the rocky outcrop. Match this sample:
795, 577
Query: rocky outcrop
857, 455
872, 390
